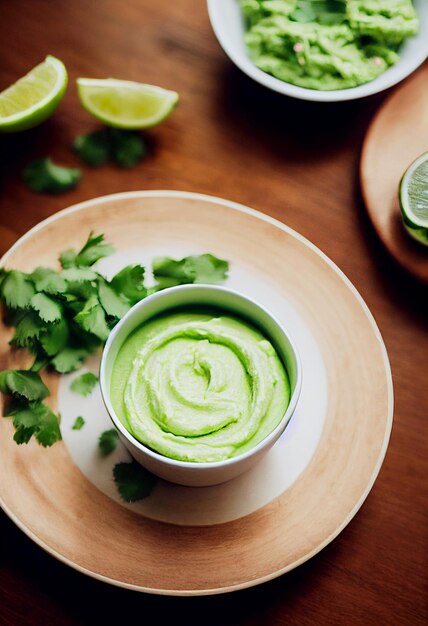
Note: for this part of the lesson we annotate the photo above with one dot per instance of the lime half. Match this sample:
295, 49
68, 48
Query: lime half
34, 97
125, 104
413, 195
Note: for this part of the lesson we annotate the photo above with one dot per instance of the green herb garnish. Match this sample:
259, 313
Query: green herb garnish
69, 359
94, 249
129, 283
22, 383
93, 149
128, 148
48, 309
124, 147
78, 423
133, 481
45, 175
29, 414
84, 384
37, 419
108, 441
205, 268
326, 12
63, 316
17, 289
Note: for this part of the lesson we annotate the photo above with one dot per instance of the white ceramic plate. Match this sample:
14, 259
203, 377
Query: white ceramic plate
228, 25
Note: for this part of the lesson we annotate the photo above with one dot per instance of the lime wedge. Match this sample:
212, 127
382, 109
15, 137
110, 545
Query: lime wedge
413, 196
34, 97
125, 104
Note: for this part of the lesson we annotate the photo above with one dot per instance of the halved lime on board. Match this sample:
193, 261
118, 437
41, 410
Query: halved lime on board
124, 103
413, 196
34, 97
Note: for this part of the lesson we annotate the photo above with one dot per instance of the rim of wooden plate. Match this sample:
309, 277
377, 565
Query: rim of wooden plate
395, 138
386, 431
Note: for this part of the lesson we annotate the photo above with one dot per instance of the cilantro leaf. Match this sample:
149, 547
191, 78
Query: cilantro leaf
94, 148
133, 481
108, 441
67, 258
69, 359
129, 282
27, 330
17, 290
78, 423
111, 302
45, 175
94, 249
54, 337
327, 12
204, 268
48, 309
78, 292
84, 339
23, 383
92, 319
39, 362
39, 420
128, 147
78, 274
124, 147
84, 384
47, 280
207, 268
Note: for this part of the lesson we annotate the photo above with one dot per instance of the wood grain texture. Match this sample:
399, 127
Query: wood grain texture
73, 520
397, 136
295, 161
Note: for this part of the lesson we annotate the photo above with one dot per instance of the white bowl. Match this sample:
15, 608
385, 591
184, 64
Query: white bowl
228, 25
184, 472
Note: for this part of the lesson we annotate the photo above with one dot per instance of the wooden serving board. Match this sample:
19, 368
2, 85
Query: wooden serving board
54, 502
396, 137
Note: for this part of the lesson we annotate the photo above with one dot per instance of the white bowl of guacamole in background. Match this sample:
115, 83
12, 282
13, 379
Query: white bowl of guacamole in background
200, 382
322, 62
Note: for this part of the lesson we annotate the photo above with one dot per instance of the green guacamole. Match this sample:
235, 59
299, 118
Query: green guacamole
327, 44
199, 387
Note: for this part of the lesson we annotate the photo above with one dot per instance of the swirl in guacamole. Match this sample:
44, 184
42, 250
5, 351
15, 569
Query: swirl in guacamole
327, 44
198, 386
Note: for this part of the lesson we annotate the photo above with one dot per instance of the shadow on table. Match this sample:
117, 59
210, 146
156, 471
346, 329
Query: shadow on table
303, 131
408, 294
243, 106
77, 599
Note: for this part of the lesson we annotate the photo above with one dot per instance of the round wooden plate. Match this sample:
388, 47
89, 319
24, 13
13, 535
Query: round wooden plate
47, 496
396, 137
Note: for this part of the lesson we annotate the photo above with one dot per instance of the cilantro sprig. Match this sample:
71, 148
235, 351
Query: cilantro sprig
124, 147
84, 384
45, 175
108, 441
203, 268
63, 315
79, 423
133, 481
29, 414
58, 317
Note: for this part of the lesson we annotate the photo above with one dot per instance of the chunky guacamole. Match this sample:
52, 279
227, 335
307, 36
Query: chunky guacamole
199, 387
327, 44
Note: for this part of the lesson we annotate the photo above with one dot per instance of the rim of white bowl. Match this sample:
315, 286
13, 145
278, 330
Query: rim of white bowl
389, 78
294, 397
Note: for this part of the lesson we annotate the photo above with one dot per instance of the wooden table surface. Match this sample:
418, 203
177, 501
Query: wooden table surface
295, 161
